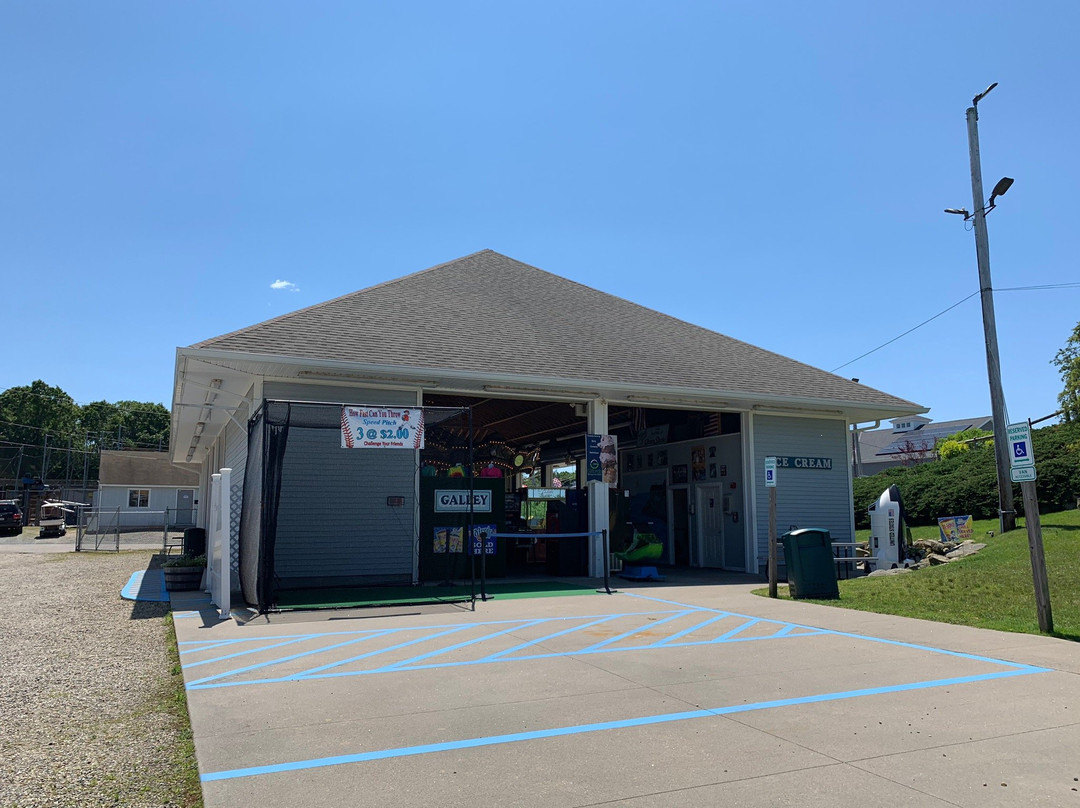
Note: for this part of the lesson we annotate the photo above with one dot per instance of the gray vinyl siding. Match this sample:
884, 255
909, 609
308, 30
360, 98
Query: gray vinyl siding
333, 522
804, 497
111, 497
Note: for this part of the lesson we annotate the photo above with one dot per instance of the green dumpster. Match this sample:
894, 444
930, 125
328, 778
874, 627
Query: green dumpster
811, 570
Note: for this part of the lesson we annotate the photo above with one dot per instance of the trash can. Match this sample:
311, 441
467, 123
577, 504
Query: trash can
811, 570
194, 541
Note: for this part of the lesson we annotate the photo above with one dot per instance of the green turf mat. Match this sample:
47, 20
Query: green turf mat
339, 597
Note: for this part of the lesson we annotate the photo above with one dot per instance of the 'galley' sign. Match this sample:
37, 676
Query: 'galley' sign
381, 428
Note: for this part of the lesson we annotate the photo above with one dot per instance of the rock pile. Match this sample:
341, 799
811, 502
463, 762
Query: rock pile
930, 553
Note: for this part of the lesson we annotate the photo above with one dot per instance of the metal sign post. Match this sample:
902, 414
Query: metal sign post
770, 483
1022, 470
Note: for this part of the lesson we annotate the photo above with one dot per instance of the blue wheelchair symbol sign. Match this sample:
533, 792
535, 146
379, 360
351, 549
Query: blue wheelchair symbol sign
1020, 450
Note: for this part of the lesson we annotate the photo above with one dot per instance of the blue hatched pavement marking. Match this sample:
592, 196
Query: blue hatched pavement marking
632, 632
320, 672
573, 629
786, 631
246, 652
279, 660
691, 630
201, 684
317, 673
354, 632
439, 651
208, 646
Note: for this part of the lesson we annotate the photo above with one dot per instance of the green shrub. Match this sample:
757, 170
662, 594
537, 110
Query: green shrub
966, 483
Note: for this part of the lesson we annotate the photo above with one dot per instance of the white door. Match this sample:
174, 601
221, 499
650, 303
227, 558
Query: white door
710, 524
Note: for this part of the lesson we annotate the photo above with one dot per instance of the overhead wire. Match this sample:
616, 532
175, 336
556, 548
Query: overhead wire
915, 328
1069, 285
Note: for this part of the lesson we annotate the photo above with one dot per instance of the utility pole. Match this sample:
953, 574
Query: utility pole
1006, 511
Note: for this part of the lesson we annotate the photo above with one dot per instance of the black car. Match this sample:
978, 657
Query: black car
10, 518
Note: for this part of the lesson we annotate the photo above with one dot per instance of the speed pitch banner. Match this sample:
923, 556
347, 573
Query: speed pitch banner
381, 428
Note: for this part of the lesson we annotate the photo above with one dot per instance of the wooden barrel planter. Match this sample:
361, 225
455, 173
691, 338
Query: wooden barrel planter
179, 579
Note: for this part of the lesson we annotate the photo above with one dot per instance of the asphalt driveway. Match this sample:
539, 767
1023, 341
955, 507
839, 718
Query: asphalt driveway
658, 695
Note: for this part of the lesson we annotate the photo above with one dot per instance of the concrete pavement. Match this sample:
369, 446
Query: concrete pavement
655, 696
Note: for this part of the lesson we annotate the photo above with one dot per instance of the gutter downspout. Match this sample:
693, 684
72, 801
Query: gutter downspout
856, 451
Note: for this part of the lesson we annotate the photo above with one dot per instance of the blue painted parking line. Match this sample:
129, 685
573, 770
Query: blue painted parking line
555, 732
868, 638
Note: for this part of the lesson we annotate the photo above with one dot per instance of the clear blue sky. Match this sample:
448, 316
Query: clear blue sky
776, 172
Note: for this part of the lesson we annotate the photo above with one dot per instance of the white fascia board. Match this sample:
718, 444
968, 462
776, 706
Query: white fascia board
569, 388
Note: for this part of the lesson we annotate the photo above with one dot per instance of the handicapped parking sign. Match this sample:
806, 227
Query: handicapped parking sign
1020, 451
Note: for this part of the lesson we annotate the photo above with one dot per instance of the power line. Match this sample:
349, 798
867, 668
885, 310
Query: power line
894, 339
1043, 286
99, 437
1070, 285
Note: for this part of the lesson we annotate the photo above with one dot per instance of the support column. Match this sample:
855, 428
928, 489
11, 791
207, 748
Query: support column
599, 512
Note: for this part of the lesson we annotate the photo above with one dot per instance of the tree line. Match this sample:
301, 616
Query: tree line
46, 435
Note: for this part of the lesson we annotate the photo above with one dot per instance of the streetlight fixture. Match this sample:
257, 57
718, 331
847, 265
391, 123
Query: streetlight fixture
1006, 512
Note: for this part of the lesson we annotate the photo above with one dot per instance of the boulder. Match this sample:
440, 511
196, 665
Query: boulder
965, 549
894, 571
936, 559
931, 546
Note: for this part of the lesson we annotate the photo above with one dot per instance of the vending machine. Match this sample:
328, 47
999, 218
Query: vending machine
888, 530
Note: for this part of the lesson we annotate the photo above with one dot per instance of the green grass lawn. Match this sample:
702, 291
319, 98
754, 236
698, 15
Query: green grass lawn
991, 589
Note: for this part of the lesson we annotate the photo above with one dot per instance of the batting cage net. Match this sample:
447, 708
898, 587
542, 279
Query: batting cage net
330, 498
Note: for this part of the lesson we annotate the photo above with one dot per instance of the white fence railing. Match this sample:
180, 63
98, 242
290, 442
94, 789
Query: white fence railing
218, 556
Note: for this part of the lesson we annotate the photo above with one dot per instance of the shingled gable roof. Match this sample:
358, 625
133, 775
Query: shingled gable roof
489, 314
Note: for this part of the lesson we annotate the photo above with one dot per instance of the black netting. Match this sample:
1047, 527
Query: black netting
251, 512
318, 517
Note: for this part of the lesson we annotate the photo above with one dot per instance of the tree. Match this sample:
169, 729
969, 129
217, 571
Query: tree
43, 424
1067, 361
962, 442
34, 418
911, 452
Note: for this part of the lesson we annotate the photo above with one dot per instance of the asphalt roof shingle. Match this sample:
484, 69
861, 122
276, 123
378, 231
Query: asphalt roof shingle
488, 313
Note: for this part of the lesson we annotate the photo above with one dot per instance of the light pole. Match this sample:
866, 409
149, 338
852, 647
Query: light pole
1006, 512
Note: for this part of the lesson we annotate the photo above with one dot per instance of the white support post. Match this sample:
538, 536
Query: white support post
211, 533
224, 593
599, 511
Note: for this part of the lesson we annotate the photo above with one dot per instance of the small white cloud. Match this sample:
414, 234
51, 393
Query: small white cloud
288, 285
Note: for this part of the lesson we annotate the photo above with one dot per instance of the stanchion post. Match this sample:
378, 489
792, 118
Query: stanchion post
607, 562
483, 564
772, 542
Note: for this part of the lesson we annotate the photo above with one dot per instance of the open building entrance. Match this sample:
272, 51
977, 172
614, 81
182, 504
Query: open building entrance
681, 478
317, 517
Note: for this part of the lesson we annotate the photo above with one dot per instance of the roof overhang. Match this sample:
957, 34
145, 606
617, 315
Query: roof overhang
210, 385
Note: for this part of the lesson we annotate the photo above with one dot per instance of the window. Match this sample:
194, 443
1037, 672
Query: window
138, 497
